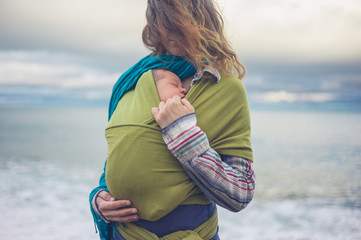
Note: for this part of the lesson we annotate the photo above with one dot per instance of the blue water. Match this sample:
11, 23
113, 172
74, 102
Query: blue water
307, 163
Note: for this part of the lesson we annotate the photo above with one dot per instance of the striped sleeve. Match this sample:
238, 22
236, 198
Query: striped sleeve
226, 180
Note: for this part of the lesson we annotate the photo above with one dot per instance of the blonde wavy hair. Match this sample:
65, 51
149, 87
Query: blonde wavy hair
197, 27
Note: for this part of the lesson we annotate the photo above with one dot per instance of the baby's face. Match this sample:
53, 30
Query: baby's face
168, 85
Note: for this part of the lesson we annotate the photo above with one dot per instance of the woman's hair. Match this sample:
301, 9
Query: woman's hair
197, 27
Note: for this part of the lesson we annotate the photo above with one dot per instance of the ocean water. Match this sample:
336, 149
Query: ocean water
307, 164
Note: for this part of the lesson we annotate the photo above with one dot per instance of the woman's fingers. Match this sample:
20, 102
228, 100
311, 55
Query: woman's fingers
155, 112
106, 196
115, 210
175, 99
187, 104
130, 218
179, 107
113, 205
161, 105
106, 201
171, 110
122, 215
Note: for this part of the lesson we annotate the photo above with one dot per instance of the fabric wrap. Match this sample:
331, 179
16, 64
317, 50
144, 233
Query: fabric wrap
142, 169
204, 231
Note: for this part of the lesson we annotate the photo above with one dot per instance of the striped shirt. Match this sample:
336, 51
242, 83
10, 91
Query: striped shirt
226, 180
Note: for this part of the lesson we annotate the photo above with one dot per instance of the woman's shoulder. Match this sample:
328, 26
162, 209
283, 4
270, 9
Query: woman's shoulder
231, 82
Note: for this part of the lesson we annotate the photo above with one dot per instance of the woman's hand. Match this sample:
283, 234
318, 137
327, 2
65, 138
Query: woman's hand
173, 109
115, 210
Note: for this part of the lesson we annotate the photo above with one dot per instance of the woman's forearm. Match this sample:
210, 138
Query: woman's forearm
228, 181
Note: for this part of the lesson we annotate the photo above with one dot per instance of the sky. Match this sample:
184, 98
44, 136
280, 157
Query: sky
297, 53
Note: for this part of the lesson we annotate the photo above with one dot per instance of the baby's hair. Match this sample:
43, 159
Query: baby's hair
156, 75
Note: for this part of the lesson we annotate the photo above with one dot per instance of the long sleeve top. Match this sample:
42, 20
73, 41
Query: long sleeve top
226, 180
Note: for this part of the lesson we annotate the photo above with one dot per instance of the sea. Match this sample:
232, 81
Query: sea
307, 163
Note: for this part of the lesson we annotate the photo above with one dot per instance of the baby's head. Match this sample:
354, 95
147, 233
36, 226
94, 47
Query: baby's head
168, 84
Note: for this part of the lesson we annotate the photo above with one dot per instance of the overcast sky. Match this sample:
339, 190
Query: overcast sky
293, 50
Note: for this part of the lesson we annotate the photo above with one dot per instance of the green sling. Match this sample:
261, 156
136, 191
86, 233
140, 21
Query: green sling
141, 168
204, 231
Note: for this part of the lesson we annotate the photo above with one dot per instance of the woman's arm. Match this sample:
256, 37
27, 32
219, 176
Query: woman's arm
227, 180
112, 210
105, 208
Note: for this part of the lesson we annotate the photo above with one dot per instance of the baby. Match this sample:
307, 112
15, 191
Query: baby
168, 84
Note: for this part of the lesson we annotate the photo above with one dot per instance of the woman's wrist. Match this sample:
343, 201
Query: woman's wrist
182, 123
184, 139
95, 206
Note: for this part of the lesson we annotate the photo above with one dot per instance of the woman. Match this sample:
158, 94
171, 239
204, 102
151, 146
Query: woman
219, 164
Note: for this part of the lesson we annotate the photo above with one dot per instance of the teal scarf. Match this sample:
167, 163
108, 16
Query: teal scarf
129, 79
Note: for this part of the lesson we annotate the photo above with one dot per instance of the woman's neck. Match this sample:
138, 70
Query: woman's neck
186, 83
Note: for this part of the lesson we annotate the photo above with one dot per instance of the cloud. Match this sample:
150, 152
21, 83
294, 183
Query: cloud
283, 96
31, 70
294, 51
342, 83
50, 95
40, 77
110, 26
301, 31
281, 30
